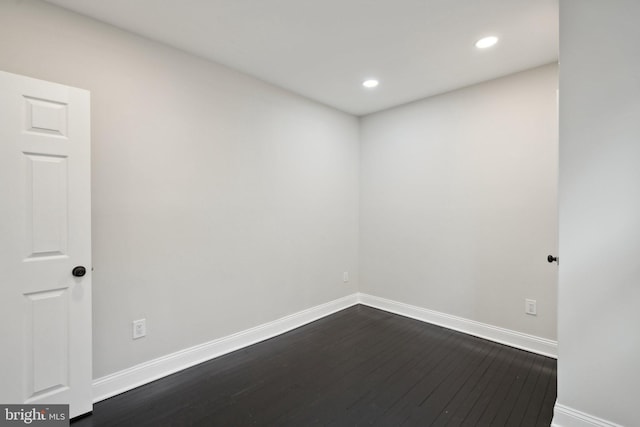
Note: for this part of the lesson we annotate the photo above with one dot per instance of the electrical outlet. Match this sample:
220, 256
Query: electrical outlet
139, 328
345, 276
530, 307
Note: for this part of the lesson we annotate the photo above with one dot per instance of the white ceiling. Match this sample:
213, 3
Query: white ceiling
324, 49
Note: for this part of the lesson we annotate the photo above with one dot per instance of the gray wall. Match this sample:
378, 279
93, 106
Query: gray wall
219, 202
458, 202
599, 277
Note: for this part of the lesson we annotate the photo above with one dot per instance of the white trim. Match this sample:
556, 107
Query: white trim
144, 373
534, 344
127, 379
564, 416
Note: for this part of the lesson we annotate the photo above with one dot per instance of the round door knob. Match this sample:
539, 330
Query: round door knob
79, 271
552, 258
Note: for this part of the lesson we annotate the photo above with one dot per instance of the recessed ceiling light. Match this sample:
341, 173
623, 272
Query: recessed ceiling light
370, 83
486, 42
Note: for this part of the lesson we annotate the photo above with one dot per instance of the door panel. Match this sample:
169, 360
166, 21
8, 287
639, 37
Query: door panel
46, 230
47, 215
47, 342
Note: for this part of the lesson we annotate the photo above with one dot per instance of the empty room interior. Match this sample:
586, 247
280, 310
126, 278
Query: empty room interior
297, 212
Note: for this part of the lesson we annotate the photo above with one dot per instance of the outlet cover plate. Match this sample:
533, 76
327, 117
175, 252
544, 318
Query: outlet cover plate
530, 307
139, 328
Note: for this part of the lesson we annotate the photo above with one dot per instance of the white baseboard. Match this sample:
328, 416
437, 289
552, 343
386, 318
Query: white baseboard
543, 346
144, 373
127, 379
563, 416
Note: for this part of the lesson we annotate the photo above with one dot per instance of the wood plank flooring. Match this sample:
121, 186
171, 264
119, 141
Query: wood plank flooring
360, 366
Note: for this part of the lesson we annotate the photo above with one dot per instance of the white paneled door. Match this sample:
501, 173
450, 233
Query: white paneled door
45, 233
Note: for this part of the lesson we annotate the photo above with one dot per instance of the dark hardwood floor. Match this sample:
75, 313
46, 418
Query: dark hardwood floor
360, 366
